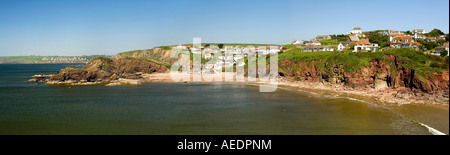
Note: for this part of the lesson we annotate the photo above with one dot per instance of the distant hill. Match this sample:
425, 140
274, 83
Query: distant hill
48, 59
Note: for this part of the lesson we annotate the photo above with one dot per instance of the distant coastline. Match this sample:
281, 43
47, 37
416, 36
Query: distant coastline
47, 59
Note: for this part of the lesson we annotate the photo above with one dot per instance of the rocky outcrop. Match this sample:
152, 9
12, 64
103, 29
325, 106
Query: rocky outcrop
105, 70
380, 74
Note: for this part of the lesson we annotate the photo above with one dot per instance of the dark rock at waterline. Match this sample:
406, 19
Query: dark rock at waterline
105, 70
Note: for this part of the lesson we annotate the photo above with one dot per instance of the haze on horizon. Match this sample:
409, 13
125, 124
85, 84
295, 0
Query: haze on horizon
97, 27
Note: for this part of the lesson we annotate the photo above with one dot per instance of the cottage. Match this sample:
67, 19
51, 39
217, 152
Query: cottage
342, 46
317, 48
323, 37
418, 31
274, 49
404, 42
432, 39
442, 48
353, 38
296, 42
312, 43
392, 35
387, 32
355, 30
365, 45
419, 36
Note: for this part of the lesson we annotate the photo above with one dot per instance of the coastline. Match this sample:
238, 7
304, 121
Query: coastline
434, 113
384, 96
384, 99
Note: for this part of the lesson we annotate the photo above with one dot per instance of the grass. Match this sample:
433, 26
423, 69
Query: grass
330, 42
423, 65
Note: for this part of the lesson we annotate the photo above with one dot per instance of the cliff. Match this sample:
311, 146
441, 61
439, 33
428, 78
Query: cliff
401, 70
105, 70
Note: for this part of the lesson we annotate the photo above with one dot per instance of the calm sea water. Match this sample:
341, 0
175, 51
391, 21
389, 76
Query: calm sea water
175, 108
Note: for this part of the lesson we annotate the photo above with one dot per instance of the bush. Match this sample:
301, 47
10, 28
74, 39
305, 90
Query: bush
435, 64
444, 53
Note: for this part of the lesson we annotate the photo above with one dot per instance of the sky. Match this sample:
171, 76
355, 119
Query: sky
91, 27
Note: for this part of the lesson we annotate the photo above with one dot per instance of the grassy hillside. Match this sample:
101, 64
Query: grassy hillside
421, 63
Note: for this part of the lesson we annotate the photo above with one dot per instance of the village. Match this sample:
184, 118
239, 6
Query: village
217, 58
358, 41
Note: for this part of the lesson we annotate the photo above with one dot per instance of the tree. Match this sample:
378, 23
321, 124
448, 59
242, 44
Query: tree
435, 33
444, 53
220, 46
431, 45
207, 45
409, 32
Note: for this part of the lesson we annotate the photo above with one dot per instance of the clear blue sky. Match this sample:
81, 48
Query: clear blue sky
84, 27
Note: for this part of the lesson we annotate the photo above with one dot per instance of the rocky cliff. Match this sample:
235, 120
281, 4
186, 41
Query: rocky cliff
382, 74
105, 70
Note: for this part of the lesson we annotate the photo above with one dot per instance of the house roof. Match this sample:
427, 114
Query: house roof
353, 38
356, 28
320, 36
363, 41
344, 44
396, 34
404, 40
418, 30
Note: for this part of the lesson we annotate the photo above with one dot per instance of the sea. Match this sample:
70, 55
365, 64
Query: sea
28, 108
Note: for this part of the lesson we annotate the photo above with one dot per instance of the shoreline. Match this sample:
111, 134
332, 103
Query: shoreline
385, 98
388, 96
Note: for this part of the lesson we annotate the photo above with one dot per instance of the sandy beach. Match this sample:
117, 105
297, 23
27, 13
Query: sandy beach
386, 96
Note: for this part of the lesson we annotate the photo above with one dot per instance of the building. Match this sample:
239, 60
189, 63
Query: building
432, 39
355, 30
342, 46
419, 36
393, 35
443, 48
387, 32
323, 37
404, 42
274, 49
353, 38
365, 45
312, 43
317, 48
296, 42
418, 31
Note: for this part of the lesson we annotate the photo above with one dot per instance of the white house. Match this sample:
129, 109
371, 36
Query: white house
365, 45
316, 48
418, 31
442, 48
312, 43
404, 42
274, 49
342, 46
353, 38
393, 35
419, 36
296, 42
355, 30
323, 37
387, 32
